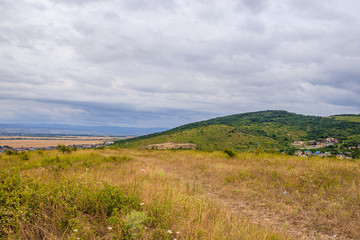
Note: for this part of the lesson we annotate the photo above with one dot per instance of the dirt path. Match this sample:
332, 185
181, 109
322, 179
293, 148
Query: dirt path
255, 212
210, 172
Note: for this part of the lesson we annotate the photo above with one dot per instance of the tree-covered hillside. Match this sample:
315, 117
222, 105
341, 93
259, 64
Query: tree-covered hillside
265, 129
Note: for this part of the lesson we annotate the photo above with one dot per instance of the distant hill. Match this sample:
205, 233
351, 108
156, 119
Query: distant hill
273, 129
62, 129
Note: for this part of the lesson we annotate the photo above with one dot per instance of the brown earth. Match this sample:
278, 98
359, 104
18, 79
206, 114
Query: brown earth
23, 141
170, 145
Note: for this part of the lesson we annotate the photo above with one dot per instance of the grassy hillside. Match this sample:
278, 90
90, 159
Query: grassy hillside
347, 117
142, 194
266, 130
210, 137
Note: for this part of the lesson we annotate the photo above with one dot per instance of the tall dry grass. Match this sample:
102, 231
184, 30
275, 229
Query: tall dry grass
312, 197
142, 194
111, 194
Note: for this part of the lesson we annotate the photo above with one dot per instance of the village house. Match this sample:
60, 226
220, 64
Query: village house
298, 153
308, 153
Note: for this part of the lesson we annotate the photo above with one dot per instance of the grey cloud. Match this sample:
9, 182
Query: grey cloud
128, 62
320, 10
77, 2
136, 5
256, 6
254, 25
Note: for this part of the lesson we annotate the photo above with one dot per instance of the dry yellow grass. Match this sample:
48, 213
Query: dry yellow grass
207, 195
322, 195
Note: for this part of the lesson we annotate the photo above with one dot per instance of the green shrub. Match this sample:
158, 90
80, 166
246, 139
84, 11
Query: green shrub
134, 224
73, 148
24, 156
16, 203
111, 197
229, 153
10, 152
63, 149
56, 163
40, 151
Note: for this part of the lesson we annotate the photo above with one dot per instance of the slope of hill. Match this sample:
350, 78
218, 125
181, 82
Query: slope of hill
347, 117
266, 130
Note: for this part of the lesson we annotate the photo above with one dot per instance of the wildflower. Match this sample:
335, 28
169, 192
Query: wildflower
110, 228
169, 232
141, 204
334, 236
285, 193
208, 193
177, 233
75, 230
143, 170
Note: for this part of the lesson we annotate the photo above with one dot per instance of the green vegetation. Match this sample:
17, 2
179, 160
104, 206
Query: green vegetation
212, 137
264, 130
347, 117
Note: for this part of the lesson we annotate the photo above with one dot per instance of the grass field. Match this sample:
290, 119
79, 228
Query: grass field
143, 194
347, 118
21, 141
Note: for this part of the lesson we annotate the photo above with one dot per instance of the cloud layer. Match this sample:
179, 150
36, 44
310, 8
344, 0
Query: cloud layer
168, 62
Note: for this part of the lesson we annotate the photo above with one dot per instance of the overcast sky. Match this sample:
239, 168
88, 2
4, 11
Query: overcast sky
163, 63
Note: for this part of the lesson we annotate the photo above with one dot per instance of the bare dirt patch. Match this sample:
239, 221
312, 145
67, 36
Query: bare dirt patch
170, 145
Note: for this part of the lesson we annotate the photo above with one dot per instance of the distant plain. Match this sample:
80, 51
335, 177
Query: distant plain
48, 141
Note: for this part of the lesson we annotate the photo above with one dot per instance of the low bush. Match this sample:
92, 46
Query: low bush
229, 153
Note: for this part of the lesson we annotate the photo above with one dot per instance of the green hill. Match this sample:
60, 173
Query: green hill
347, 117
265, 130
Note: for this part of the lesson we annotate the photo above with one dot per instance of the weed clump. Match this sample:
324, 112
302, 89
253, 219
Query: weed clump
60, 204
24, 156
10, 152
229, 153
56, 163
135, 221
